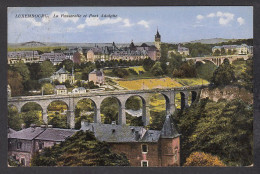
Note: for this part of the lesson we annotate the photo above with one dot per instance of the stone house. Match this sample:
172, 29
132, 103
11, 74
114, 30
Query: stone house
24, 143
146, 148
24, 56
62, 75
97, 76
60, 90
234, 49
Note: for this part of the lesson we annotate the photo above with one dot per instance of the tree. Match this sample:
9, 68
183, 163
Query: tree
148, 64
157, 69
216, 53
229, 127
46, 69
203, 159
247, 76
82, 149
31, 117
58, 121
222, 51
14, 120
47, 89
187, 69
15, 81
224, 74
23, 70
68, 64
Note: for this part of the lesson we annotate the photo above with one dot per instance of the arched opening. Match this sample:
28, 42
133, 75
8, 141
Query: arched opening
85, 111
31, 113
135, 110
159, 104
110, 109
180, 100
192, 97
206, 70
57, 114
14, 119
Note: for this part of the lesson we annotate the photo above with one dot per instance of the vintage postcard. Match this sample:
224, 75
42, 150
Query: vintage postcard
130, 86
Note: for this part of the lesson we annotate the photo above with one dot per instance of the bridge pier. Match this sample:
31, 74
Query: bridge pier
97, 116
146, 114
45, 117
121, 116
71, 119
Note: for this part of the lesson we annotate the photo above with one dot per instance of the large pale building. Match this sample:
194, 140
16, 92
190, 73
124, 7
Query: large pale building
234, 49
62, 75
24, 56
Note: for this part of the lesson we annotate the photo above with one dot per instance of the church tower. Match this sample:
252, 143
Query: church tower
157, 40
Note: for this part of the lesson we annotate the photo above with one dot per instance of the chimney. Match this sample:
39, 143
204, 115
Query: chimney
50, 126
113, 123
137, 135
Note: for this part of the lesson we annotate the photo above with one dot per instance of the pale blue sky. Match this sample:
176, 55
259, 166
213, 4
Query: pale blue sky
176, 24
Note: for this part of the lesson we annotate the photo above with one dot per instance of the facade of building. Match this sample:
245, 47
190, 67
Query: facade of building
234, 49
24, 56
97, 76
62, 75
183, 50
131, 52
60, 90
79, 90
24, 143
54, 57
146, 148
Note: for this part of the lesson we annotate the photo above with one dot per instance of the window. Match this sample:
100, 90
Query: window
144, 148
41, 145
176, 155
144, 163
19, 145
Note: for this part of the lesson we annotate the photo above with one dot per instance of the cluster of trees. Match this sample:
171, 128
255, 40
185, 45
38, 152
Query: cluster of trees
82, 149
204, 160
229, 127
225, 75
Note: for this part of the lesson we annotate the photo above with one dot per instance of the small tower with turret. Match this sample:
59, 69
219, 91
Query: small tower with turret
157, 40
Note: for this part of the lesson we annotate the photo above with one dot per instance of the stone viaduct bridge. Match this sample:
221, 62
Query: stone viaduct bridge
218, 60
71, 101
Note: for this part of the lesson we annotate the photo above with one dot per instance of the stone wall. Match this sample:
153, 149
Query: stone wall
228, 93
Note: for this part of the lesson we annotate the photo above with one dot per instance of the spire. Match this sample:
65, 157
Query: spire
169, 130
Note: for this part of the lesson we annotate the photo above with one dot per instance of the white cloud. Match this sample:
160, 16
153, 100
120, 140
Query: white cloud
225, 18
211, 15
241, 21
95, 21
200, 17
143, 23
127, 23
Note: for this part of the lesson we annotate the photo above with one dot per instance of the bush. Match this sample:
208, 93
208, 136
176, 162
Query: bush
203, 159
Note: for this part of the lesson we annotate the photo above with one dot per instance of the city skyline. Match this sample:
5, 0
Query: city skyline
176, 24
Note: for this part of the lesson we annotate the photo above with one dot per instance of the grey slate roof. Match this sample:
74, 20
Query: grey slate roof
169, 130
97, 72
55, 134
39, 133
62, 71
121, 133
27, 134
60, 87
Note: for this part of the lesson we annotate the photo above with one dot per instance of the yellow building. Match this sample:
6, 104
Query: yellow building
60, 90
97, 76
62, 75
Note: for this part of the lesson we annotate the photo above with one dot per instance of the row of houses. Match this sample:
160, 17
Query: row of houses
92, 54
141, 146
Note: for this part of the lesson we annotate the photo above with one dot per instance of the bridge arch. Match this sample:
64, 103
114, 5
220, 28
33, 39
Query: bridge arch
58, 115
83, 110
116, 104
141, 118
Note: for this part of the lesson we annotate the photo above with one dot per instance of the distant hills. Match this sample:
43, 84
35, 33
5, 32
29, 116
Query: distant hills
52, 44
